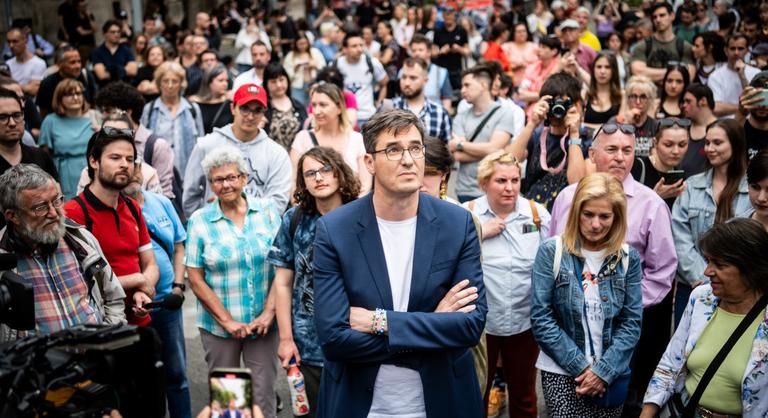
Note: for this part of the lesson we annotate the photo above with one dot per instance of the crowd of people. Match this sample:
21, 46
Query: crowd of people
605, 232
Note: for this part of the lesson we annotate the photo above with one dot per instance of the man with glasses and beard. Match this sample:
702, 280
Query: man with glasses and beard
435, 117
115, 220
55, 255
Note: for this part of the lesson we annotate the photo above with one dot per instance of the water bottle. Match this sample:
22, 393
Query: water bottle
299, 401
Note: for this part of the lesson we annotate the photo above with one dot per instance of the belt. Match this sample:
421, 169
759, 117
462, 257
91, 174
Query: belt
706, 413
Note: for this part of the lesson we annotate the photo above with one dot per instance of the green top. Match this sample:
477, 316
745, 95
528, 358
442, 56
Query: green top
723, 394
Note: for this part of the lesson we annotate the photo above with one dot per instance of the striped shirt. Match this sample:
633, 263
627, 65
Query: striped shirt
61, 294
233, 259
436, 119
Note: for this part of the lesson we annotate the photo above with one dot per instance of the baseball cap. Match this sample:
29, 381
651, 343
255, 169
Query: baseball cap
557, 4
760, 49
569, 24
250, 92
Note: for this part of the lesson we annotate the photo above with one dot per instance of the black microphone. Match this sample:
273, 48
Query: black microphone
171, 302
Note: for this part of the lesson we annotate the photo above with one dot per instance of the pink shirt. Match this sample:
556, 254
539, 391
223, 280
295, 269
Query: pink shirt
649, 231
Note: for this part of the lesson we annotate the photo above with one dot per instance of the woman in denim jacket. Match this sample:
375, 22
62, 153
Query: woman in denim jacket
714, 196
738, 267
609, 296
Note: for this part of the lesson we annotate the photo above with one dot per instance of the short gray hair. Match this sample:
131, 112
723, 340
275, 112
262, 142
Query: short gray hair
222, 156
19, 178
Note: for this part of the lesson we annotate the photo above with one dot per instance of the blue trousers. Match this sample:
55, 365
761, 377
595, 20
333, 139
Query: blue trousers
170, 326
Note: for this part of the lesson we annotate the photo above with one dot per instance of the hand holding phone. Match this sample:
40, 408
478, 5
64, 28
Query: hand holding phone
230, 388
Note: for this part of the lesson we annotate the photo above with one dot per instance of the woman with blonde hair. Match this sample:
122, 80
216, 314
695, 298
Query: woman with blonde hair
586, 304
171, 116
331, 128
66, 131
640, 101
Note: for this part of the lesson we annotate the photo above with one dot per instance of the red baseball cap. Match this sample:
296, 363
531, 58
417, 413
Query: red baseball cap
250, 92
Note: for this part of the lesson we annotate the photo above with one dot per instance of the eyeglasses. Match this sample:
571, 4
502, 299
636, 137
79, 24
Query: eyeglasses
635, 97
669, 122
169, 82
247, 111
17, 117
396, 153
74, 94
42, 208
323, 171
219, 181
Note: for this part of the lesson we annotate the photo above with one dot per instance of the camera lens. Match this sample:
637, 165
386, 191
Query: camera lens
558, 111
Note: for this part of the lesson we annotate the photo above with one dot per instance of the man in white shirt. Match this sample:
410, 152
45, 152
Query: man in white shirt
362, 74
395, 345
260, 57
26, 68
728, 81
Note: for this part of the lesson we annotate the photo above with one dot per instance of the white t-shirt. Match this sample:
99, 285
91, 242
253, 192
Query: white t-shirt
398, 391
359, 80
593, 262
33, 69
726, 84
354, 150
248, 77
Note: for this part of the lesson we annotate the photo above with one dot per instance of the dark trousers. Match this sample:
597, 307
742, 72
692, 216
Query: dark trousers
170, 327
518, 359
654, 337
312, 386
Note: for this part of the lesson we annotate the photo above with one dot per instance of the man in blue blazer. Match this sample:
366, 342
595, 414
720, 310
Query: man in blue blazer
394, 334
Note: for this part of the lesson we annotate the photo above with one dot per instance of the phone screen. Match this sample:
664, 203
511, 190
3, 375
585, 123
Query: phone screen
673, 176
764, 95
231, 393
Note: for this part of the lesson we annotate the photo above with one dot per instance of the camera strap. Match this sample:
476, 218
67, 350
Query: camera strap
543, 158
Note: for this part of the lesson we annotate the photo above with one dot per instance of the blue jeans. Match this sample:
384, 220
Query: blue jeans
170, 326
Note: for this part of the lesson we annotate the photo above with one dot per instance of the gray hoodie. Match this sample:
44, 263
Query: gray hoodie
269, 173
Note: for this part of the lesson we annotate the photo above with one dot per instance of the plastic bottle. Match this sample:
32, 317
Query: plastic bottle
299, 401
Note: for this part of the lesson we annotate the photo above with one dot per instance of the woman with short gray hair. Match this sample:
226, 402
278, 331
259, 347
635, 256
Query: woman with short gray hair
228, 241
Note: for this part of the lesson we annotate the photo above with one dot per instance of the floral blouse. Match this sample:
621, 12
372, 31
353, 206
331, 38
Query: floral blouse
671, 372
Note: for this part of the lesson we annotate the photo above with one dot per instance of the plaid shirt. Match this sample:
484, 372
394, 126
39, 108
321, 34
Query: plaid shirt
233, 259
436, 120
61, 294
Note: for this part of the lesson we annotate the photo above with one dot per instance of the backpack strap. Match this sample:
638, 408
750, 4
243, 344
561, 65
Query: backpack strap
86, 215
680, 49
149, 148
483, 123
313, 137
151, 112
295, 219
152, 235
558, 256
648, 47
218, 113
625, 259
535, 213
471, 206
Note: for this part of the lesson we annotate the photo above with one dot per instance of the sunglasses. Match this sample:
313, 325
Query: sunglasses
611, 128
670, 122
110, 132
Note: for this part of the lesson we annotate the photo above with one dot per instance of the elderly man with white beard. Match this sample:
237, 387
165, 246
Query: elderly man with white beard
73, 284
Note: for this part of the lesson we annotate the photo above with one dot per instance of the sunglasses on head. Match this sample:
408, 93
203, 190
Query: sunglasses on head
108, 131
611, 128
669, 122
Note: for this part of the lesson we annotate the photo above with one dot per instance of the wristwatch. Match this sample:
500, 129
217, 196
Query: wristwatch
460, 146
181, 286
574, 141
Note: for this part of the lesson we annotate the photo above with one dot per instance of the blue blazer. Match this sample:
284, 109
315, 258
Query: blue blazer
350, 270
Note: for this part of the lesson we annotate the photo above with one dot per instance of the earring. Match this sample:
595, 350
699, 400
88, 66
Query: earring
443, 189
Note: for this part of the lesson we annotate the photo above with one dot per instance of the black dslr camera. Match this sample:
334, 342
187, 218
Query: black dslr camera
558, 108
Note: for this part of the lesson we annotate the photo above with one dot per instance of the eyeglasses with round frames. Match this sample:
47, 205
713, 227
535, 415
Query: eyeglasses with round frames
323, 171
42, 209
396, 153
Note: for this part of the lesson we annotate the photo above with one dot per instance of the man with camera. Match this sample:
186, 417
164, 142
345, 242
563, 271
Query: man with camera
554, 141
483, 128
72, 281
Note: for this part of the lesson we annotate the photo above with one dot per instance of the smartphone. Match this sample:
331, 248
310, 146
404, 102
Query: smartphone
230, 391
673, 176
764, 95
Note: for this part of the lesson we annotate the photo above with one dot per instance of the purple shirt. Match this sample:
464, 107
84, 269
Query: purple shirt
649, 231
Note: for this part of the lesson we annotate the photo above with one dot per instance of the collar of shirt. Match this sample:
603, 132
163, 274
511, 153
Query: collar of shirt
630, 185
483, 208
216, 213
183, 105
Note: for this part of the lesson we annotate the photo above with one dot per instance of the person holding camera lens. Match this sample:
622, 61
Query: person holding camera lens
553, 141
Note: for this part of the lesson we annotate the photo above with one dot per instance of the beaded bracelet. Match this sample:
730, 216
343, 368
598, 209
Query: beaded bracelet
381, 314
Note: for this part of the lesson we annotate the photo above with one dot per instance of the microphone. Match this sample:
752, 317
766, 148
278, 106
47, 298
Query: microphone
171, 302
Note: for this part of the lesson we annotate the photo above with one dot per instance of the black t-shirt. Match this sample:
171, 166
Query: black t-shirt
694, 160
31, 155
146, 72
458, 36
44, 98
209, 112
644, 172
757, 139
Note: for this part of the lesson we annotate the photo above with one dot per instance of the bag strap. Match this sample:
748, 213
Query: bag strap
313, 137
482, 123
642, 170
149, 148
86, 215
151, 112
558, 256
218, 113
295, 219
535, 212
723, 353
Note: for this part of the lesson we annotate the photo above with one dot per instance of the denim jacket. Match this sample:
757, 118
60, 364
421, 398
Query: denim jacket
556, 311
671, 372
692, 215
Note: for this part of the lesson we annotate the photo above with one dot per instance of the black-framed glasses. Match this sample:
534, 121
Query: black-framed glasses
17, 117
611, 128
323, 171
219, 181
669, 122
42, 208
247, 111
396, 153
